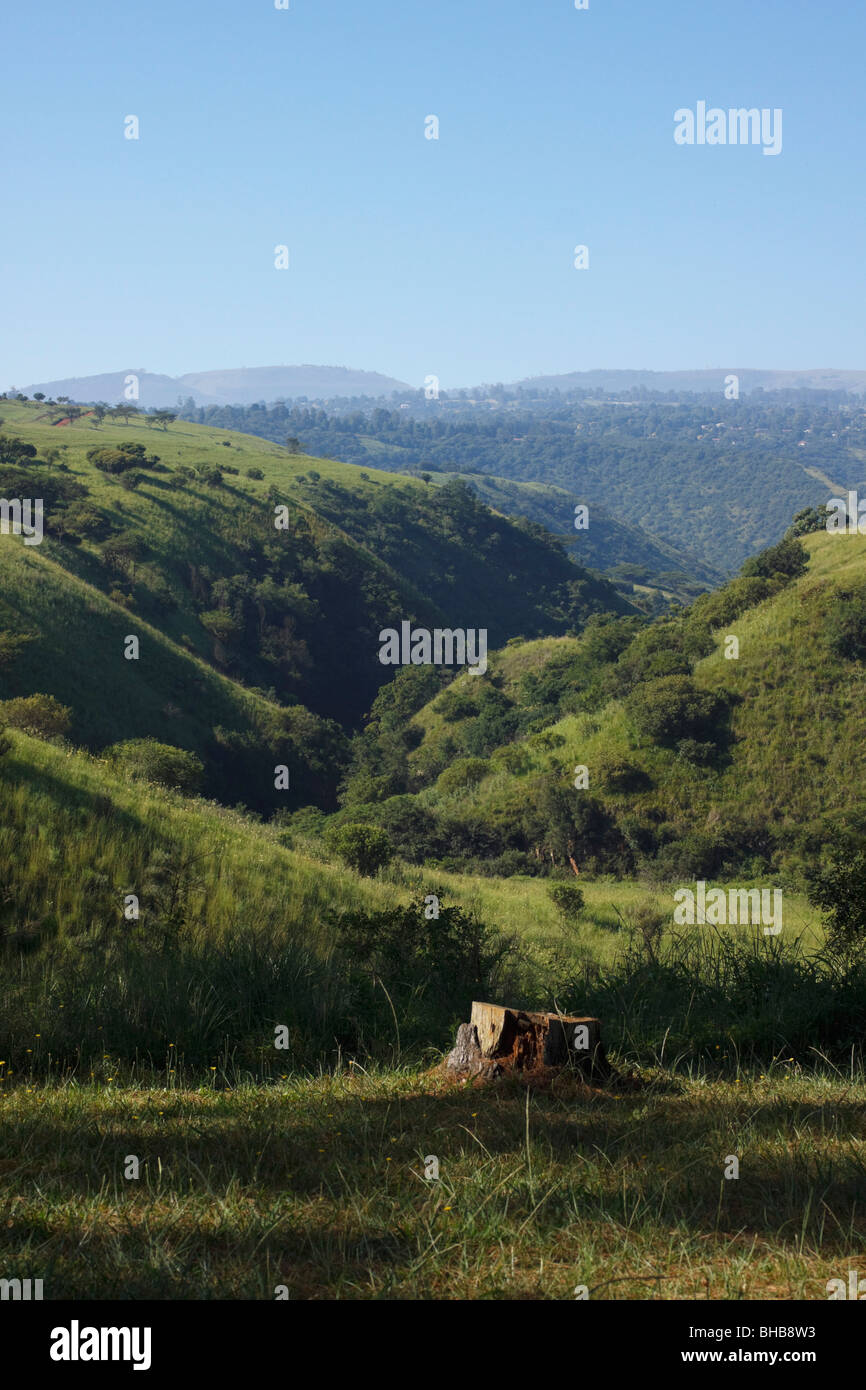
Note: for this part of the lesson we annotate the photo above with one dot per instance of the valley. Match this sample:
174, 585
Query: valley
282, 806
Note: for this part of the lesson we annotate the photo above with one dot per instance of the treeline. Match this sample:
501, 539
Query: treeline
726, 475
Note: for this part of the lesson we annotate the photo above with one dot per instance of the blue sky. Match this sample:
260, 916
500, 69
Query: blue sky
410, 256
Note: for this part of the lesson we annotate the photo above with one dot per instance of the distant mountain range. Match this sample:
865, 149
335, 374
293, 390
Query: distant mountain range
247, 385
710, 380
234, 386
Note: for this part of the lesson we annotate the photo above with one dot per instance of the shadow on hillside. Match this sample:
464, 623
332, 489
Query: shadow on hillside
71, 798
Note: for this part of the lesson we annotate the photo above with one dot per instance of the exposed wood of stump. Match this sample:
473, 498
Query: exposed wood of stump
498, 1039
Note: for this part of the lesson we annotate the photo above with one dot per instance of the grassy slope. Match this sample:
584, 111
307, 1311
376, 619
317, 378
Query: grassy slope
247, 881
52, 590
60, 592
799, 719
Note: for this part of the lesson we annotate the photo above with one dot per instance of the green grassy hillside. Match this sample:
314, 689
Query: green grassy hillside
257, 645
490, 766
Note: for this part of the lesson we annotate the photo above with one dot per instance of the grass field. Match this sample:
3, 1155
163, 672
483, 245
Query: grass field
319, 1185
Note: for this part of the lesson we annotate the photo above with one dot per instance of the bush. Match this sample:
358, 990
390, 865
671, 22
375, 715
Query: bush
720, 608
647, 922
39, 715
119, 460
845, 625
454, 705
808, 520
789, 559
620, 775
567, 899
84, 521
415, 970
365, 848
691, 750
255, 473
674, 708
467, 772
837, 888
147, 760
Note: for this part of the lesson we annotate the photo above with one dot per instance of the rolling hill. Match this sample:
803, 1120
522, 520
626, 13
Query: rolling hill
252, 639
697, 763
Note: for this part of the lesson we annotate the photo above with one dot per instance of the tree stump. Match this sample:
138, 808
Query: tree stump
498, 1039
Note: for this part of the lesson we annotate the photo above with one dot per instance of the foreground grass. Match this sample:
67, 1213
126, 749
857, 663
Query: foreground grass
319, 1184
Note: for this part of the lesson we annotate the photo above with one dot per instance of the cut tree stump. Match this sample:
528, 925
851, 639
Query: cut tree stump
498, 1039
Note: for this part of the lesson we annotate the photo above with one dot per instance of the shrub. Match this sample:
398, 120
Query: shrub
365, 848
149, 761
467, 772
11, 646
39, 715
673, 708
837, 888
417, 971
255, 473
454, 705
789, 559
620, 775
647, 922
664, 648
567, 899
124, 457
691, 750
808, 520
845, 625
81, 519
724, 605
208, 474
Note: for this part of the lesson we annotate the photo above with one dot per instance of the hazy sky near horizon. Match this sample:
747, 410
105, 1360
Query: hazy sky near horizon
306, 128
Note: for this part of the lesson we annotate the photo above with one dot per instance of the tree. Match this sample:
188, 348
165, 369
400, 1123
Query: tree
39, 395
673, 708
836, 886
293, 445
808, 520
123, 552
39, 715
124, 457
845, 625
789, 558
365, 848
